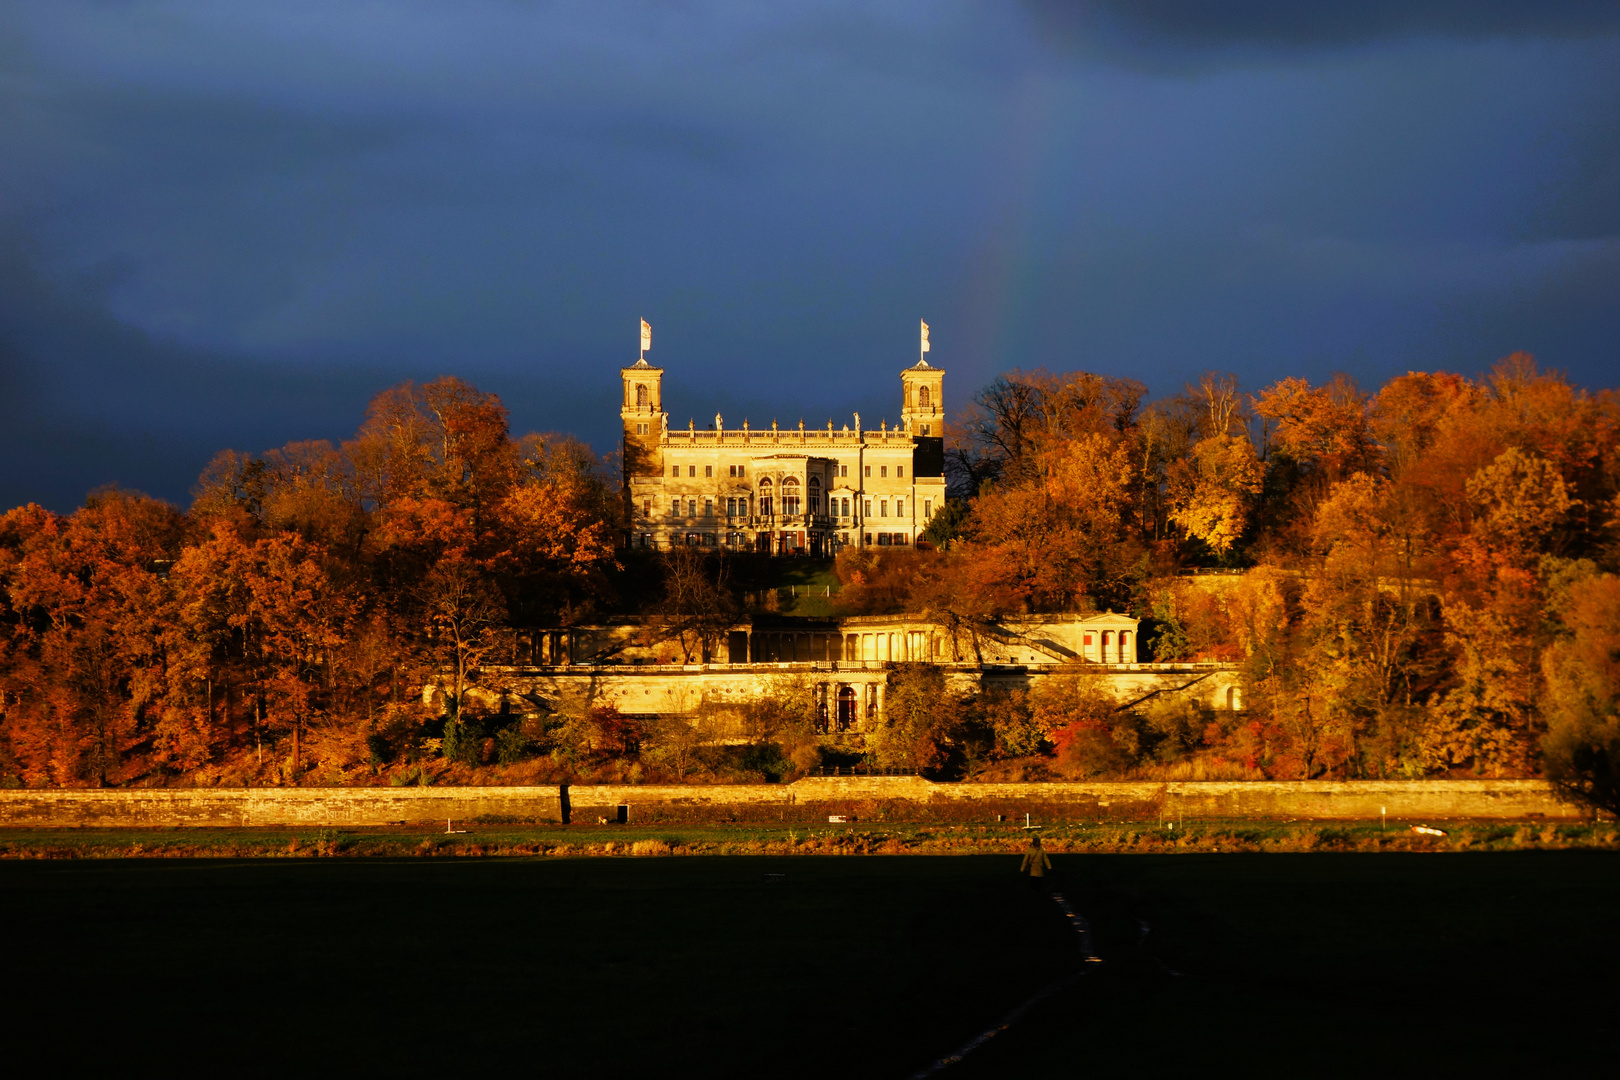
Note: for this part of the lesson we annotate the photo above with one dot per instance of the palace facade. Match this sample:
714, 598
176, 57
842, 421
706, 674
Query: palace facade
781, 491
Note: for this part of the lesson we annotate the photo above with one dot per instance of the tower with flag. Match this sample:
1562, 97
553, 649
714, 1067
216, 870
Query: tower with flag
782, 489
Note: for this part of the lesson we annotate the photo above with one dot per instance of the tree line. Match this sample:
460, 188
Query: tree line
1427, 588
305, 594
1428, 570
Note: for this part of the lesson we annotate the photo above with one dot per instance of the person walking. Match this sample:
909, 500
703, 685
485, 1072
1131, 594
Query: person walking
1036, 864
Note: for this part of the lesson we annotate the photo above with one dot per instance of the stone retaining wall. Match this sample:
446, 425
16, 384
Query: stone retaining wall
164, 807
809, 799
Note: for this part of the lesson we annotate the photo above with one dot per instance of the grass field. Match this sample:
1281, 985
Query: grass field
1288, 964
505, 839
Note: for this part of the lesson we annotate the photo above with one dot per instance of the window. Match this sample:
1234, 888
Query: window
843, 470
641, 398
928, 509
646, 508
691, 508
867, 539
900, 472
708, 508
674, 470
899, 508
883, 471
883, 508
675, 507
708, 470
867, 511
928, 429
815, 503
691, 470
923, 397
641, 429
868, 471
734, 470
846, 508
765, 505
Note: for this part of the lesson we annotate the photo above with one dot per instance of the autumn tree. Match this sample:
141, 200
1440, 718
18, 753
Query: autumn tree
1582, 671
1059, 534
696, 609
921, 727
1211, 493
88, 603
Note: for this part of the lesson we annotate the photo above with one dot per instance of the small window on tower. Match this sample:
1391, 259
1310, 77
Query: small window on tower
646, 508
928, 429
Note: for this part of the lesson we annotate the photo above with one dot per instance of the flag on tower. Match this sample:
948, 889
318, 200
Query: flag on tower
924, 336
646, 335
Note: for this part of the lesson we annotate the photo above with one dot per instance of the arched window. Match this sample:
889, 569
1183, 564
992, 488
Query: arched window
790, 495
765, 509
641, 397
922, 397
815, 494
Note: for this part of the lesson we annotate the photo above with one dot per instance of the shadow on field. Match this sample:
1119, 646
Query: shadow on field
1332, 964
792, 967
735, 966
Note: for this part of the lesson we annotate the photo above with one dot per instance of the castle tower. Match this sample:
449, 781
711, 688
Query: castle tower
922, 406
642, 411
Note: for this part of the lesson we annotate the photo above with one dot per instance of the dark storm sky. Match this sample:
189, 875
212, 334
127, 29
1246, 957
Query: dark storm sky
228, 224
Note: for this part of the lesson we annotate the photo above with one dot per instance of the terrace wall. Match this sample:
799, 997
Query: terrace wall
810, 799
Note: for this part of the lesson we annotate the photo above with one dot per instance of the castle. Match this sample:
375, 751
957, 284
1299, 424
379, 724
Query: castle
813, 492
801, 490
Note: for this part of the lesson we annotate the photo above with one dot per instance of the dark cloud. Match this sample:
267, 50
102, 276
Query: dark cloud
231, 223
1172, 32
89, 400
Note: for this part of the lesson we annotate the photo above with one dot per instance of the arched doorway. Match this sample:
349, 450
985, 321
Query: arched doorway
846, 707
